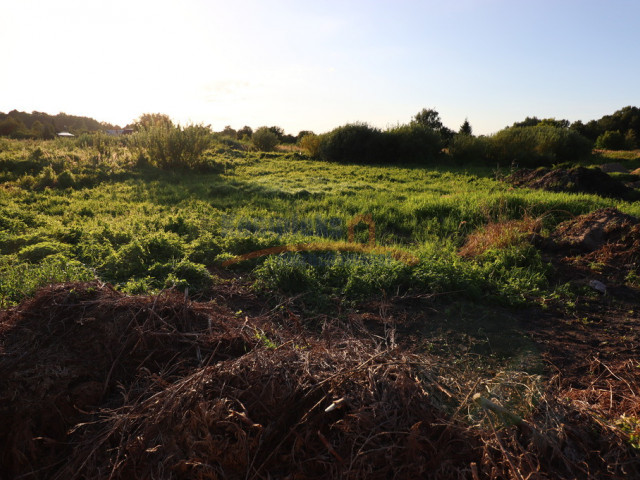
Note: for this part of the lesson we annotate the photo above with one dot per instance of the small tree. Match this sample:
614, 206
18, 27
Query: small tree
264, 139
465, 128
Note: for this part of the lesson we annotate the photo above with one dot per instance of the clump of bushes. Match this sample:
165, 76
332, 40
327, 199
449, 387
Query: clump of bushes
469, 149
611, 140
311, 143
541, 145
361, 143
168, 146
264, 139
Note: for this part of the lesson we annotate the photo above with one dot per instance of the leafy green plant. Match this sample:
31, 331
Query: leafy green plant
20, 280
37, 252
264, 139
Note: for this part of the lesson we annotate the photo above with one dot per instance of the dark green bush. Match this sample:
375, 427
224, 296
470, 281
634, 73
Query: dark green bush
356, 142
66, 180
264, 139
468, 149
542, 145
611, 140
361, 143
412, 143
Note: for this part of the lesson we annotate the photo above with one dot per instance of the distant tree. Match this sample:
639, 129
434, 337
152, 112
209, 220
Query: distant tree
630, 140
51, 123
245, 132
611, 140
302, 134
264, 139
428, 117
465, 128
229, 132
592, 130
147, 120
278, 132
552, 122
12, 127
527, 122
37, 129
48, 131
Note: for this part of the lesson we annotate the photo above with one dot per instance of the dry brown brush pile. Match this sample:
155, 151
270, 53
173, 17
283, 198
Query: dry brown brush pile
95, 384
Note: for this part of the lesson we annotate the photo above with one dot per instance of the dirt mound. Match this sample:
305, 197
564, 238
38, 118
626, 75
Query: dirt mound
576, 180
70, 348
602, 245
607, 227
95, 384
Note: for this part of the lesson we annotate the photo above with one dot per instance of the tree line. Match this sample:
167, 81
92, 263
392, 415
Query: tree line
40, 125
531, 142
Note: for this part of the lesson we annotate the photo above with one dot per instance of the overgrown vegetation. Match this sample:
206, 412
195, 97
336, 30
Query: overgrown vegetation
143, 227
171, 147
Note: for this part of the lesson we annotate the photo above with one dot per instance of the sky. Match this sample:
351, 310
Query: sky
316, 65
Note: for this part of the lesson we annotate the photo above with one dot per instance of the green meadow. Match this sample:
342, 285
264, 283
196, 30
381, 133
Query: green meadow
94, 207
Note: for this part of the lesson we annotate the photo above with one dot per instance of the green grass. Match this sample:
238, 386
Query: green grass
143, 228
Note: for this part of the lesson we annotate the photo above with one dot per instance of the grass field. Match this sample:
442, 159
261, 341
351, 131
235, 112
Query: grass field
72, 212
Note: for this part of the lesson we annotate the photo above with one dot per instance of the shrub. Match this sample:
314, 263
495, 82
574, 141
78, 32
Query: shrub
37, 252
362, 143
47, 178
467, 149
190, 275
412, 143
66, 179
538, 146
169, 146
356, 142
311, 143
264, 139
611, 140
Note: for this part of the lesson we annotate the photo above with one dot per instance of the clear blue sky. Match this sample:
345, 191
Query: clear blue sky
316, 65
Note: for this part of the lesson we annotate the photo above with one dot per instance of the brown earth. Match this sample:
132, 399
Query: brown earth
576, 180
96, 384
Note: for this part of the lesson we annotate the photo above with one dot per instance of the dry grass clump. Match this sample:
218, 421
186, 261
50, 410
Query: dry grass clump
500, 234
